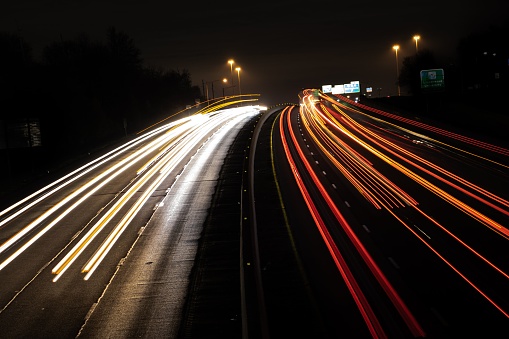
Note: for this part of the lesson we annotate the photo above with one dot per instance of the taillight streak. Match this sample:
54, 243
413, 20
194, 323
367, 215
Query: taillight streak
485, 145
405, 313
366, 311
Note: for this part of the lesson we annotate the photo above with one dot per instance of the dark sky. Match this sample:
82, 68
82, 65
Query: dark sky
281, 46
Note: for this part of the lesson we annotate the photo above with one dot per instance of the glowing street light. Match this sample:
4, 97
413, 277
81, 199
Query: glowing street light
238, 75
396, 47
416, 37
225, 81
231, 72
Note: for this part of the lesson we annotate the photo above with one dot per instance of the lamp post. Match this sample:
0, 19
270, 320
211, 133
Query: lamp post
224, 81
238, 76
416, 37
396, 47
206, 85
231, 71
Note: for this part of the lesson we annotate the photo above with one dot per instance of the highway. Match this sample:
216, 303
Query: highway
414, 218
324, 219
62, 247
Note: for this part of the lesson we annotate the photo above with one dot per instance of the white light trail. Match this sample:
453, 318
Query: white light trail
106, 157
166, 161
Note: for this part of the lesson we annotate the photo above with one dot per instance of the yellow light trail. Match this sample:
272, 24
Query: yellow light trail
78, 173
192, 139
375, 187
70, 257
388, 146
167, 160
121, 166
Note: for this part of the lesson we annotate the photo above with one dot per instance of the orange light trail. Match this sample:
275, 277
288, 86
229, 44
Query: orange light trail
367, 313
352, 129
403, 310
485, 145
391, 147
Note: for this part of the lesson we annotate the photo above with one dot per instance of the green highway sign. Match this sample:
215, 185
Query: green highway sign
432, 79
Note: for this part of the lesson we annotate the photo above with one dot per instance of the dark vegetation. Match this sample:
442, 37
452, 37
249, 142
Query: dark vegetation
82, 94
476, 85
481, 66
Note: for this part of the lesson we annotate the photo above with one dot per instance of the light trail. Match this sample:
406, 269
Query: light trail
39, 234
163, 169
369, 182
77, 174
121, 166
462, 138
354, 131
455, 270
405, 156
176, 146
392, 294
365, 309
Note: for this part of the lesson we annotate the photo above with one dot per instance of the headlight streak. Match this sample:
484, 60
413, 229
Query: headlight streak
358, 296
29, 227
20, 234
70, 257
101, 253
137, 156
46, 228
116, 152
392, 294
193, 136
106, 246
371, 136
223, 103
62, 266
173, 134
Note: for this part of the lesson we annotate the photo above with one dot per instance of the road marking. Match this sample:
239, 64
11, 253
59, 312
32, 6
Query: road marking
393, 262
422, 232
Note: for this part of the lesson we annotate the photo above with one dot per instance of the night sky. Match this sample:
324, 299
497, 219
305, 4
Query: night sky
281, 46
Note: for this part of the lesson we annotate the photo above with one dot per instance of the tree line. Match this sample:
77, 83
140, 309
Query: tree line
481, 66
83, 93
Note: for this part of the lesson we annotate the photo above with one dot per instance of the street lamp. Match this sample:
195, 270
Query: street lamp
238, 75
396, 47
232, 86
231, 71
224, 81
416, 37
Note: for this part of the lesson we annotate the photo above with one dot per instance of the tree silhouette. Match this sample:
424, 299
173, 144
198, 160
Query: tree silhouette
124, 53
483, 58
85, 94
16, 65
409, 76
